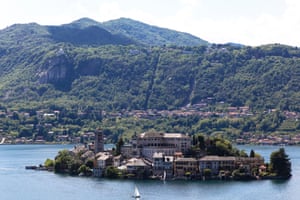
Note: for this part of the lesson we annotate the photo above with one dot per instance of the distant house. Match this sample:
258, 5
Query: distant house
62, 138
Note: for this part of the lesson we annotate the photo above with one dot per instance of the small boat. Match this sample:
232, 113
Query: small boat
164, 176
136, 194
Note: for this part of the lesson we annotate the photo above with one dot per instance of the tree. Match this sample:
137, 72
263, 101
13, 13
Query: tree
280, 163
119, 144
85, 170
74, 166
207, 173
49, 163
201, 142
62, 161
90, 164
252, 154
112, 172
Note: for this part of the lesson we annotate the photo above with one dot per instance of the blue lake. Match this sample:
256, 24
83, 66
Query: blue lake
17, 183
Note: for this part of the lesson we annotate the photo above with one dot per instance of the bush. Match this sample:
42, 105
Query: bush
49, 163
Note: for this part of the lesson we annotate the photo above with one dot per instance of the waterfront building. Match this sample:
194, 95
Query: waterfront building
217, 163
250, 162
104, 159
138, 167
186, 167
162, 164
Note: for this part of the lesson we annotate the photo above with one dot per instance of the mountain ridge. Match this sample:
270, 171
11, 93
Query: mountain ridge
115, 32
140, 30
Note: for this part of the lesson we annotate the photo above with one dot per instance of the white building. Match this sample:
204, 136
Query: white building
166, 143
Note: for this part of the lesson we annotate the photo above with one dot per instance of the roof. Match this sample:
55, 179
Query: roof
103, 155
186, 160
218, 158
136, 162
163, 135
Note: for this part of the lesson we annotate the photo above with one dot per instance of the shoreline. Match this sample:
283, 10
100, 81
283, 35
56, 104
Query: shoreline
216, 178
70, 143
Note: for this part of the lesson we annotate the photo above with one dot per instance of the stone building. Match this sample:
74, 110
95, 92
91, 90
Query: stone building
99, 141
216, 163
167, 143
186, 167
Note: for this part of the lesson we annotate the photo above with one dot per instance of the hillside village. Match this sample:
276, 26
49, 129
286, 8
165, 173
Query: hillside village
51, 126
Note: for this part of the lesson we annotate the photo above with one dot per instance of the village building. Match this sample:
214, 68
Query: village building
104, 159
162, 165
117, 160
250, 162
127, 151
216, 163
186, 167
138, 167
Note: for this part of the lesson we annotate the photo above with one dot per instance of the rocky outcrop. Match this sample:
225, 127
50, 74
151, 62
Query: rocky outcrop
57, 70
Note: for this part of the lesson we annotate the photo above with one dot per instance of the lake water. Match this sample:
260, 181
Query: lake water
17, 183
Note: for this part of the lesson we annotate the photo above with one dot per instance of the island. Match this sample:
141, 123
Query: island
172, 156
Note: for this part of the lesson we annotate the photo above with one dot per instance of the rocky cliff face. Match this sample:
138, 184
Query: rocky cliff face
61, 71
58, 71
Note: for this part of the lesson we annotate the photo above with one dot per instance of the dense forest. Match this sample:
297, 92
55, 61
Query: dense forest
91, 67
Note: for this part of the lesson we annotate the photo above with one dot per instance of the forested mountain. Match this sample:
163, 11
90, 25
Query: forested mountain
152, 35
85, 63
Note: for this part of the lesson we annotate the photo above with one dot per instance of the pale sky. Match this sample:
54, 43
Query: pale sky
249, 22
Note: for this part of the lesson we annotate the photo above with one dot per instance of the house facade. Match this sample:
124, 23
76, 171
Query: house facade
166, 143
138, 167
104, 159
162, 165
186, 167
250, 162
216, 163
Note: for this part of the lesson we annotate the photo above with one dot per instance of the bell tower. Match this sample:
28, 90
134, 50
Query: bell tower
99, 141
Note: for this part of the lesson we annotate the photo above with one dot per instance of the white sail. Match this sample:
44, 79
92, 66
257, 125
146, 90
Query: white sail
165, 175
136, 193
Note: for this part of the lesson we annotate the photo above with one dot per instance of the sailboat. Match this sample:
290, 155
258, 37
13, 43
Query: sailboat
164, 176
136, 194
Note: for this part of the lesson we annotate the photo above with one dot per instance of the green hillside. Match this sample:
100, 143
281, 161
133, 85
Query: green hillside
83, 68
56, 65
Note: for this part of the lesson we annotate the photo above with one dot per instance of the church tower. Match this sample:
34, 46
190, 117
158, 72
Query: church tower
99, 141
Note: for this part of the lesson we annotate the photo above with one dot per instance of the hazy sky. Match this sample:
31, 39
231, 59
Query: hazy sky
250, 22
